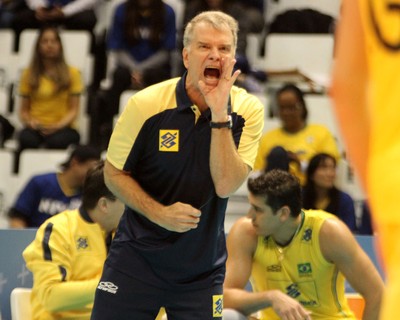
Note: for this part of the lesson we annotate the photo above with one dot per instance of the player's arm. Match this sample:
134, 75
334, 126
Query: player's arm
16, 219
350, 92
339, 246
179, 217
50, 260
241, 244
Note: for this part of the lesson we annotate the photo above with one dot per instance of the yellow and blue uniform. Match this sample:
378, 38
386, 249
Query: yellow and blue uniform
312, 139
47, 105
163, 140
301, 271
66, 259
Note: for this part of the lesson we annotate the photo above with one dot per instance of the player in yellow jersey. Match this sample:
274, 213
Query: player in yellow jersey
368, 48
67, 255
297, 260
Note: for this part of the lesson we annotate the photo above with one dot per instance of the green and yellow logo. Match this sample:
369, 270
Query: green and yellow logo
304, 269
169, 141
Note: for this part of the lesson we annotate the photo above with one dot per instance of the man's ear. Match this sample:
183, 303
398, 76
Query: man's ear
102, 204
284, 213
185, 57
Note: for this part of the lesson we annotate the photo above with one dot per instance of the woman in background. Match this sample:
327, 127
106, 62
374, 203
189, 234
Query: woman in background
50, 92
295, 141
320, 191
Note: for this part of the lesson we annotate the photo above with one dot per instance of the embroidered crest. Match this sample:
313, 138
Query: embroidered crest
169, 141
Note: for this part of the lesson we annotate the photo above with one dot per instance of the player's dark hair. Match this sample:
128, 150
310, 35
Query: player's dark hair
94, 187
280, 188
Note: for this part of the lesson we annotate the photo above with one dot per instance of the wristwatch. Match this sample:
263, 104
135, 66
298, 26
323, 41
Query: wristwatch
220, 125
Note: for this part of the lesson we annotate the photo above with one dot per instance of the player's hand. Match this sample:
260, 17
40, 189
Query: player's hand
179, 217
217, 97
288, 308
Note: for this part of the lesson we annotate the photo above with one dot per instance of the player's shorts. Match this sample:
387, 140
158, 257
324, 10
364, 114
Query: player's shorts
121, 297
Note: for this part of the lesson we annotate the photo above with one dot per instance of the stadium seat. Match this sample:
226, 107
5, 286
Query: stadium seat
312, 54
20, 304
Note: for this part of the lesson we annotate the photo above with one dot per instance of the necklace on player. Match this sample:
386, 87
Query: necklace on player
281, 249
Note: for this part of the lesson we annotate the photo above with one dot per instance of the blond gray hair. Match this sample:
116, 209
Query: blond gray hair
216, 19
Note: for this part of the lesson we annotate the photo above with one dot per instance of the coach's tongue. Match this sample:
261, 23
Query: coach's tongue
211, 73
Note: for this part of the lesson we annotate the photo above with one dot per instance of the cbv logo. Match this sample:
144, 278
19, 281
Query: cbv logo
293, 290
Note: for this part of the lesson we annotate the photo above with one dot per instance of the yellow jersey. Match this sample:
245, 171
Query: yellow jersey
300, 270
312, 139
66, 259
48, 107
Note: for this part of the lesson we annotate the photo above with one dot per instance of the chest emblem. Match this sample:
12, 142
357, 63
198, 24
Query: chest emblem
82, 243
169, 141
304, 269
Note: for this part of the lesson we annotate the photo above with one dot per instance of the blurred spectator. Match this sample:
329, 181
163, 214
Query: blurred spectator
140, 41
50, 193
321, 193
50, 92
67, 255
71, 14
8, 9
292, 145
366, 226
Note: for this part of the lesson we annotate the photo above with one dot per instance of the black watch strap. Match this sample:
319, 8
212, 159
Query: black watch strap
220, 125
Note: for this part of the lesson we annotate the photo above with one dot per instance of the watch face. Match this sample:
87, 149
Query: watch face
230, 121
219, 125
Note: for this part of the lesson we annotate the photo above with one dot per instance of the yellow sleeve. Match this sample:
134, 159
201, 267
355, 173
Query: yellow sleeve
252, 131
76, 81
70, 295
24, 89
51, 277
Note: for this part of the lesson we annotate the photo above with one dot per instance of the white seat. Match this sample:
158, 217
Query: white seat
273, 7
271, 123
35, 161
7, 55
3, 100
312, 54
179, 8
7, 184
20, 302
348, 181
253, 50
38, 161
321, 111
123, 100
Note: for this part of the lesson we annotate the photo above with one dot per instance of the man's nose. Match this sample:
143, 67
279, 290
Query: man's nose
214, 54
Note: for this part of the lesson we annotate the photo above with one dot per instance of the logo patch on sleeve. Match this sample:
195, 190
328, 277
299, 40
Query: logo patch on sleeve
218, 305
169, 141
